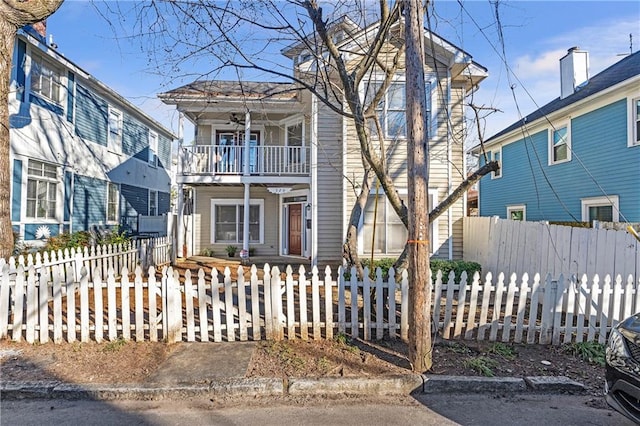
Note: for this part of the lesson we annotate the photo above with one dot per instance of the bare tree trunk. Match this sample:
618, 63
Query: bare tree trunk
14, 14
7, 37
350, 248
420, 354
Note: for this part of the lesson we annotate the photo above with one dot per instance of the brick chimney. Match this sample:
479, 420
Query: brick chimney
41, 28
574, 71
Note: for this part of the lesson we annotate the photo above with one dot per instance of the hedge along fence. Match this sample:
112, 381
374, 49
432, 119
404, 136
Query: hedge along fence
195, 307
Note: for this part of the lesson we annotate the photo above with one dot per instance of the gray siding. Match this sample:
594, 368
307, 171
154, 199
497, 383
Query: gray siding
330, 186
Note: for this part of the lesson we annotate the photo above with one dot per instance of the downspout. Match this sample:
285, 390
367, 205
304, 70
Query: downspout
449, 171
314, 180
247, 195
182, 248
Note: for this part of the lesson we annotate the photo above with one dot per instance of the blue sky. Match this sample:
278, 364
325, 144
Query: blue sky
536, 34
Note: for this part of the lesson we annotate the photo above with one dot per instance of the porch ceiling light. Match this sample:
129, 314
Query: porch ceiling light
279, 190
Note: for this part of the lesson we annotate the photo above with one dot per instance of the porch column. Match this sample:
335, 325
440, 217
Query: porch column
180, 225
247, 195
247, 142
245, 228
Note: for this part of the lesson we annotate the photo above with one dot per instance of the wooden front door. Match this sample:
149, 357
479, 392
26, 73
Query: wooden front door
295, 229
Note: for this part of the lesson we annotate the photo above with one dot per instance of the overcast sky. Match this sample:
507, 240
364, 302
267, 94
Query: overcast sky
536, 35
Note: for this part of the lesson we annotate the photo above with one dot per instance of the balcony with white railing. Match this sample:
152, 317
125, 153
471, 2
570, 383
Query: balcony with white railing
229, 160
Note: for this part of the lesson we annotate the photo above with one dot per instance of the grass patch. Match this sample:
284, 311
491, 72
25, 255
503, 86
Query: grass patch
345, 341
114, 346
592, 352
505, 351
459, 348
285, 354
482, 365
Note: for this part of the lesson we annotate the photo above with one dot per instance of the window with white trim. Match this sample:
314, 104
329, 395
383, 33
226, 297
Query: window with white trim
42, 190
560, 144
496, 156
153, 203
604, 209
634, 122
227, 221
391, 110
46, 79
113, 202
115, 129
383, 229
517, 212
153, 148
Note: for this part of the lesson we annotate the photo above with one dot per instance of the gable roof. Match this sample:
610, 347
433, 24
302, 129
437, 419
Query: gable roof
620, 71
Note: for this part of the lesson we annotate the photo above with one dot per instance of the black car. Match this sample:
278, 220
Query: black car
622, 386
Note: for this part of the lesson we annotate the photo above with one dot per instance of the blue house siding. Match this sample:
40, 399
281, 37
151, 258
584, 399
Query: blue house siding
89, 203
135, 200
601, 163
16, 196
164, 151
71, 82
91, 115
21, 77
164, 202
135, 138
68, 179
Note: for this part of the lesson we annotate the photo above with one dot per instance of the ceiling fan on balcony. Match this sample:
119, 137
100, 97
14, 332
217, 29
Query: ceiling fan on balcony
234, 119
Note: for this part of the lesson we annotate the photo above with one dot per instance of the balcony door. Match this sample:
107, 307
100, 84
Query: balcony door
229, 152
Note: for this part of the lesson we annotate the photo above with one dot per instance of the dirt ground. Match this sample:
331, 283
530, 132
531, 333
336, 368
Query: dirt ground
132, 362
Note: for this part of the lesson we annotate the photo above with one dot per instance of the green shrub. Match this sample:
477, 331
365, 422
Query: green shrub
85, 238
445, 266
457, 266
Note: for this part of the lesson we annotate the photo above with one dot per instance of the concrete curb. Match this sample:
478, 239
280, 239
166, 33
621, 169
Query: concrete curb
265, 387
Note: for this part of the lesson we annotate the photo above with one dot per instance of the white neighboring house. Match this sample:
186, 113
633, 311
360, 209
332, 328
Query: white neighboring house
82, 156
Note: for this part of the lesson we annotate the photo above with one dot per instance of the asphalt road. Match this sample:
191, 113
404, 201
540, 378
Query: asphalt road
443, 410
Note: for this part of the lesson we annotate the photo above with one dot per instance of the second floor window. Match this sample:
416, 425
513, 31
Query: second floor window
42, 190
153, 148
560, 145
115, 129
391, 110
45, 80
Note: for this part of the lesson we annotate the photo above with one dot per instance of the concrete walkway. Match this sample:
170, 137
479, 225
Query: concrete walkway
218, 369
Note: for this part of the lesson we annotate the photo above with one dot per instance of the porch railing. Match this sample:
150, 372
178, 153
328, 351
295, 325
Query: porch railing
229, 160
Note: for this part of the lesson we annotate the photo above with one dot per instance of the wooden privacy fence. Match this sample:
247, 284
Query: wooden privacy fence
42, 308
519, 247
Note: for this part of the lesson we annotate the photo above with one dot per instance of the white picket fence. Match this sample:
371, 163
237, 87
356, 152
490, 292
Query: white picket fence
97, 259
40, 307
519, 247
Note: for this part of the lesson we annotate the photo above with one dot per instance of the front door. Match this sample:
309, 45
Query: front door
295, 229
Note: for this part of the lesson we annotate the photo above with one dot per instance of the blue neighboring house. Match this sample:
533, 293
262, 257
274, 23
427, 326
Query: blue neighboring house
82, 156
576, 158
